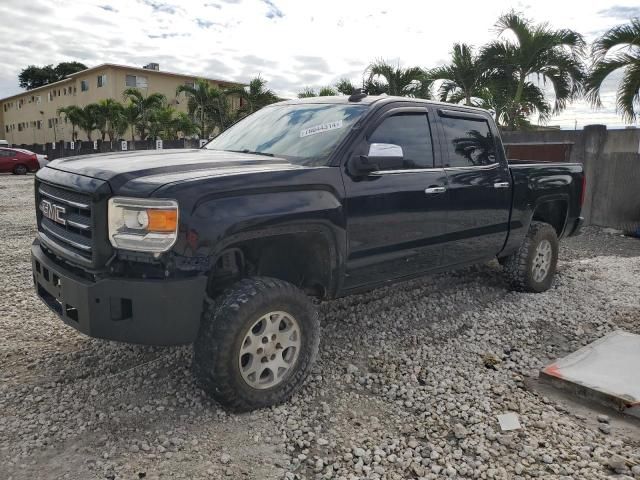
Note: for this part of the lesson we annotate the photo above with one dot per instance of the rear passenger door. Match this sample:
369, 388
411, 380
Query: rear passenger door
479, 187
395, 218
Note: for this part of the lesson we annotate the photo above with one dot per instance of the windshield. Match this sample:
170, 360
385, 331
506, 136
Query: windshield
305, 134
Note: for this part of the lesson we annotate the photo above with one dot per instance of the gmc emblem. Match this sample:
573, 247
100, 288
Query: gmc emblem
52, 211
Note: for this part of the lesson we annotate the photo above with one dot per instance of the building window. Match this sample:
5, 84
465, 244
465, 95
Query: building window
50, 123
6, 129
189, 84
38, 99
50, 95
20, 127
102, 80
84, 85
137, 81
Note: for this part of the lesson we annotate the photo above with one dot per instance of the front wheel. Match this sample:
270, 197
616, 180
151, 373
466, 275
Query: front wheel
256, 344
532, 267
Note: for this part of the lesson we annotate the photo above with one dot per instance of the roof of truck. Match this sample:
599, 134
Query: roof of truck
371, 99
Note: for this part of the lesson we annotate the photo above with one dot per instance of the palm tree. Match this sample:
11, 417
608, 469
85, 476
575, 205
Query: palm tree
327, 92
552, 55
108, 110
399, 81
73, 115
184, 125
118, 122
166, 123
256, 95
497, 95
309, 92
463, 78
345, 87
144, 107
89, 119
131, 115
618, 48
207, 105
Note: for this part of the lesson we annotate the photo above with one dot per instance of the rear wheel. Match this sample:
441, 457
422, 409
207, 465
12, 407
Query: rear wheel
532, 267
20, 169
256, 344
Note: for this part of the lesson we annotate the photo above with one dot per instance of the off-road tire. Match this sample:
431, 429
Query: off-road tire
20, 169
519, 266
224, 324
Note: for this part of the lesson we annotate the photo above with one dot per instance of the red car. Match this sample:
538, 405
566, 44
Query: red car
18, 161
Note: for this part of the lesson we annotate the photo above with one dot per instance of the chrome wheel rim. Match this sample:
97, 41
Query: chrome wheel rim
269, 350
542, 260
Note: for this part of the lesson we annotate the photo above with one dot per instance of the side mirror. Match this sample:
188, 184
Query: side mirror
381, 156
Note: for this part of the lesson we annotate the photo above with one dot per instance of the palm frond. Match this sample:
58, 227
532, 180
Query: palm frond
628, 95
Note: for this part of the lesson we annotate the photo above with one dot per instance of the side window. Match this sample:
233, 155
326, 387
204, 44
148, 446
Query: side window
410, 131
469, 142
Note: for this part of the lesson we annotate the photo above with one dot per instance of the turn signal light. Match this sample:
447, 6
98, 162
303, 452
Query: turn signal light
162, 220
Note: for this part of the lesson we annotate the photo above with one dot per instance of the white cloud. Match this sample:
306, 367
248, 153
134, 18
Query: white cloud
292, 43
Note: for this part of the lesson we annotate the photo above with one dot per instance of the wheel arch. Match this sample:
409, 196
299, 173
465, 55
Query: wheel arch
554, 211
306, 256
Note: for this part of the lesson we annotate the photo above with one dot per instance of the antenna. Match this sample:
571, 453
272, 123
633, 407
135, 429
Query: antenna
356, 95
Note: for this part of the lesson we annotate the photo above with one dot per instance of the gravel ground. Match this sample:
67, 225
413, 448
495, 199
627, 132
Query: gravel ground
408, 385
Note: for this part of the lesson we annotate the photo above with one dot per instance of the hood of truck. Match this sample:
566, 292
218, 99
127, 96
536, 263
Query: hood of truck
143, 171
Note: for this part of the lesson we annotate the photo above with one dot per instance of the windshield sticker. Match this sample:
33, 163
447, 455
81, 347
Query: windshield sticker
325, 127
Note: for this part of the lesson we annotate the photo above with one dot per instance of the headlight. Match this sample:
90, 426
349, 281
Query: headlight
143, 224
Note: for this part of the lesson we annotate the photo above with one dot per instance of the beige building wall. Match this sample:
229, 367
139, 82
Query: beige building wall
31, 117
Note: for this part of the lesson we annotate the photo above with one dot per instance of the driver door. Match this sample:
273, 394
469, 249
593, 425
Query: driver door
396, 218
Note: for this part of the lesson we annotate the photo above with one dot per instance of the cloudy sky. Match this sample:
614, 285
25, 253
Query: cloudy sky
291, 43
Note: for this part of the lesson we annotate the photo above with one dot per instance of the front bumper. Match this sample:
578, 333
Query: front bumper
152, 312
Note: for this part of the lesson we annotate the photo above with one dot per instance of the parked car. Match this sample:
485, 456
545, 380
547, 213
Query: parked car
18, 161
4, 143
226, 246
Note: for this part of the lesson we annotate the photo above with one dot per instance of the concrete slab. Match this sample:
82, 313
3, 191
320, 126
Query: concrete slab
607, 371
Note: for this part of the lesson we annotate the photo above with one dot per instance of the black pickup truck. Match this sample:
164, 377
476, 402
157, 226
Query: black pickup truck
227, 246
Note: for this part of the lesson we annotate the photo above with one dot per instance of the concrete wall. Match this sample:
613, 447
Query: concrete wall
611, 161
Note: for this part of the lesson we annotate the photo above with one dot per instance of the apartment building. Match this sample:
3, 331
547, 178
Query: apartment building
31, 116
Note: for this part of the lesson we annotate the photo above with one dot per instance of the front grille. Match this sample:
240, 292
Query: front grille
76, 234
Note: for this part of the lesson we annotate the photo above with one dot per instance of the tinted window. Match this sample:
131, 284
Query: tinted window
411, 132
469, 142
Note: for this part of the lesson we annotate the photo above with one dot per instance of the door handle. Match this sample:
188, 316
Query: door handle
431, 190
501, 185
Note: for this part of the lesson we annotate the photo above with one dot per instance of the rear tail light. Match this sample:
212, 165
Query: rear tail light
584, 189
